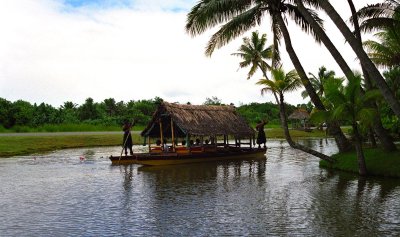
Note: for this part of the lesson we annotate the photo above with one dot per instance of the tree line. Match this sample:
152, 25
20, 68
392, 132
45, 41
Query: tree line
109, 112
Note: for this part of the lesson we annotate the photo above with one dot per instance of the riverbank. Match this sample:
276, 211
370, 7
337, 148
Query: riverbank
26, 145
379, 162
31, 143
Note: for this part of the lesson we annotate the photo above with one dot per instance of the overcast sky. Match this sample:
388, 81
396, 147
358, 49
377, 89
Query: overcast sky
54, 51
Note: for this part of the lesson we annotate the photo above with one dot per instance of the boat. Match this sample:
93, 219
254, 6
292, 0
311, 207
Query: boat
219, 131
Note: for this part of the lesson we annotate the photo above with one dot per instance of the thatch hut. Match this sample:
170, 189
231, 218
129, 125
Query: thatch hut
300, 116
201, 121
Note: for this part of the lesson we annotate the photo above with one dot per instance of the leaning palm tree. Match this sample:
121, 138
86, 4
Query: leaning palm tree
366, 62
377, 126
238, 16
351, 104
280, 84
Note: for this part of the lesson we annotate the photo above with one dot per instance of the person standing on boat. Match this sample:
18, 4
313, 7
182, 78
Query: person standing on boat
261, 139
127, 141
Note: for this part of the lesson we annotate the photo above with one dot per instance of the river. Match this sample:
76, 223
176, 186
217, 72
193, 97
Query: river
77, 192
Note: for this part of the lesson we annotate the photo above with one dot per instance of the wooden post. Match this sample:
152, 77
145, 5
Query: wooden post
173, 135
148, 141
187, 140
161, 134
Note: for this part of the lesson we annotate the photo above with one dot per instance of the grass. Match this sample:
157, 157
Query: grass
66, 128
379, 163
25, 145
278, 133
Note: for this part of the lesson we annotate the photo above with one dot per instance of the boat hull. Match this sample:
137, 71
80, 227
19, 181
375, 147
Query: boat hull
176, 158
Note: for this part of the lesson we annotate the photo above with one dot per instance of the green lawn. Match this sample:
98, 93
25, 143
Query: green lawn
378, 162
24, 145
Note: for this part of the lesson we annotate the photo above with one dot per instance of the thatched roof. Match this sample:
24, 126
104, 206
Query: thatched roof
199, 120
299, 114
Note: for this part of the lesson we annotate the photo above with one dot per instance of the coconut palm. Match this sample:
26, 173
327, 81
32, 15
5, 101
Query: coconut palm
366, 62
254, 53
377, 127
386, 53
351, 104
319, 80
280, 84
379, 16
238, 16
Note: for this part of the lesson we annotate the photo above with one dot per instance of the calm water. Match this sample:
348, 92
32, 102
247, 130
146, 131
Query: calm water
287, 194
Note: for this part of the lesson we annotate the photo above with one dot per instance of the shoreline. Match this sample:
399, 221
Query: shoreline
13, 144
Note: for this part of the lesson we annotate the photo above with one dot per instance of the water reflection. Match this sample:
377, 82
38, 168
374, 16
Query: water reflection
57, 194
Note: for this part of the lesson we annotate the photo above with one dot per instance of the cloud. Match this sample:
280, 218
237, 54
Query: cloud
54, 52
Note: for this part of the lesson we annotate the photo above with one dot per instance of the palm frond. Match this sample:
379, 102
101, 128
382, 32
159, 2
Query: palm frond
234, 28
299, 19
209, 13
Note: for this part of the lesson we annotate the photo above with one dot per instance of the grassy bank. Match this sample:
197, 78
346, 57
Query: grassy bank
278, 133
25, 145
65, 128
378, 162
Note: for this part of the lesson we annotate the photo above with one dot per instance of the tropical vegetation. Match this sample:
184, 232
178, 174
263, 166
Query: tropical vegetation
236, 17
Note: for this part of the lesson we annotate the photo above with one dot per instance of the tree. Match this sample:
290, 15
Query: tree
254, 53
280, 84
22, 112
240, 16
362, 56
379, 16
6, 116
386, 53
351, 104
88, 111
212, 101
318, 81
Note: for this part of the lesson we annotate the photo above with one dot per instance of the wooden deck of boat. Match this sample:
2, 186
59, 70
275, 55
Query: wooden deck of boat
172, 158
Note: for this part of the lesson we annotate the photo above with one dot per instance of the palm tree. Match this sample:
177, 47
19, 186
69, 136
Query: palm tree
379, 16
280, 84
366, 62
351, 104
254, 54
377, 127
386, 53
238, 16
319, 80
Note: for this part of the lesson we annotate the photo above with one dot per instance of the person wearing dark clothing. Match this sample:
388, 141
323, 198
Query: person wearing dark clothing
261, 139
127, 141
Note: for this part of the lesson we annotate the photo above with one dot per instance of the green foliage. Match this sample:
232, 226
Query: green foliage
255, 112
21, 116
378, 162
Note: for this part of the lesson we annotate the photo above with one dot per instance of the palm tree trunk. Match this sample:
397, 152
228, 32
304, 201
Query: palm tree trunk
325, 40
284, 124
362, 168
371, 135
384, 137
341, 140
362, 56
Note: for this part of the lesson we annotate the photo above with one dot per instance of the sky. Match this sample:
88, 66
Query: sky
54, 51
